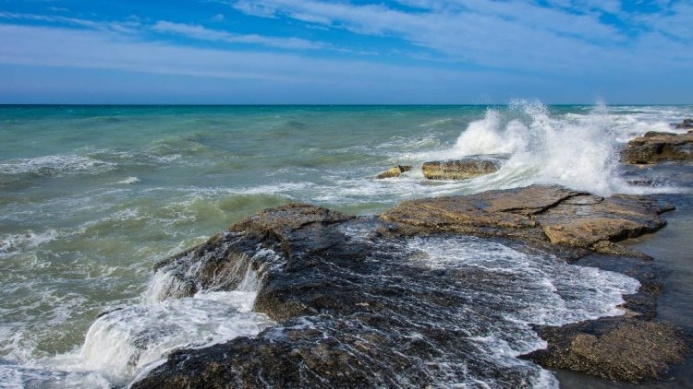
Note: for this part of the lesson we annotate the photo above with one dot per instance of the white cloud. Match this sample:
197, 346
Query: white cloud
49, 46
218, 18
675, 21
134, 27
519, 35
203, 33
129, 27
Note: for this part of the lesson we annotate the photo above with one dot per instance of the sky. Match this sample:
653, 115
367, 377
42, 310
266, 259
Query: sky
346, 51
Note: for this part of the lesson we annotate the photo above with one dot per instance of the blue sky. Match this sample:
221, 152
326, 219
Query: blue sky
346, 51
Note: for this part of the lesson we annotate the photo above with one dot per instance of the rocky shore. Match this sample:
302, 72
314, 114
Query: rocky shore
355, 307
655, 147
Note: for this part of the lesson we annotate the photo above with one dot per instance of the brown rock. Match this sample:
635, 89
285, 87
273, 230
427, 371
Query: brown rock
458, 170
394, 172
537, 214
618, 349
657, 147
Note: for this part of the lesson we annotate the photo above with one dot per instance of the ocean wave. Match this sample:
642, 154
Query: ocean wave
576, 150
13, 243
129, 180
57, 166
135, 338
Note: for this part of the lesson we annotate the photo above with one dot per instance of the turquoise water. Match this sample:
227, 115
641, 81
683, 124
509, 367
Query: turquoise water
91, 197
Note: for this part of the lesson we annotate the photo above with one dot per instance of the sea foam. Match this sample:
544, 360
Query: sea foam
135, 338
576, 151
57, 166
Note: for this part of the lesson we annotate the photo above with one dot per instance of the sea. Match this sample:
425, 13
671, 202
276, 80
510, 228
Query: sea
92, 197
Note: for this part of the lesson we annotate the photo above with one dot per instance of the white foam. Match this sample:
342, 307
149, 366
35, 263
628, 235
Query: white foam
162, 286
579, 150
13, 243
133, 339
129, 180
21, 377
57, 165
124, 341
487, 136
526, 290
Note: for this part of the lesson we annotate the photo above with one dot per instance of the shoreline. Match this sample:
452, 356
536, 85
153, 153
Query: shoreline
294, 229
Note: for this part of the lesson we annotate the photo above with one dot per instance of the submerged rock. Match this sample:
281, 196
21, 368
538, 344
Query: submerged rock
403, 300
657, 147
459, 169
394, 172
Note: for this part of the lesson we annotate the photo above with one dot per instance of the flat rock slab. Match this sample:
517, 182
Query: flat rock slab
536, 214
655, 147
463, 169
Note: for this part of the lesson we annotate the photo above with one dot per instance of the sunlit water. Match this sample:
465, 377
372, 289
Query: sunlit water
92, 197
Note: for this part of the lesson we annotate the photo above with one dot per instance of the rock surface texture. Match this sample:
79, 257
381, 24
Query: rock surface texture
375, 301
536, 214
655, 147
620, 350
459, 169
394, 172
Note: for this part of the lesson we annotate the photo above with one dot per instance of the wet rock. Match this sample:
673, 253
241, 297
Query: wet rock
617, 349
357, 303
640, 181
657, 147
352, 311
685, 124
394, 172
537, 214
459, 169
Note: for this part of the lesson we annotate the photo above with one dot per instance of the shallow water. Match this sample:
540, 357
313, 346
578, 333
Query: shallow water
91, 197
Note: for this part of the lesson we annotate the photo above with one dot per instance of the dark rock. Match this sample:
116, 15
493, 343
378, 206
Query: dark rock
617, 349
657, 147
394, 172
459, 169
685, 124
356, 306
640, 181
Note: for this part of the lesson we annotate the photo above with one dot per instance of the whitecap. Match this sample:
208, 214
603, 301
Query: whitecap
57, 166
13, 243
129, 180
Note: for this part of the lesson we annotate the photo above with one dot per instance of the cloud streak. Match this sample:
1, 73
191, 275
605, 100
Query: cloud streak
519, 35
203, 33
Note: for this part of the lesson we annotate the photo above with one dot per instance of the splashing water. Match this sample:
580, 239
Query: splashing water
136, 338
579, 152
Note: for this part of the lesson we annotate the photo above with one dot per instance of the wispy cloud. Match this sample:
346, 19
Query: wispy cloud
203, 33
562, 36
49, 46
127, 27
